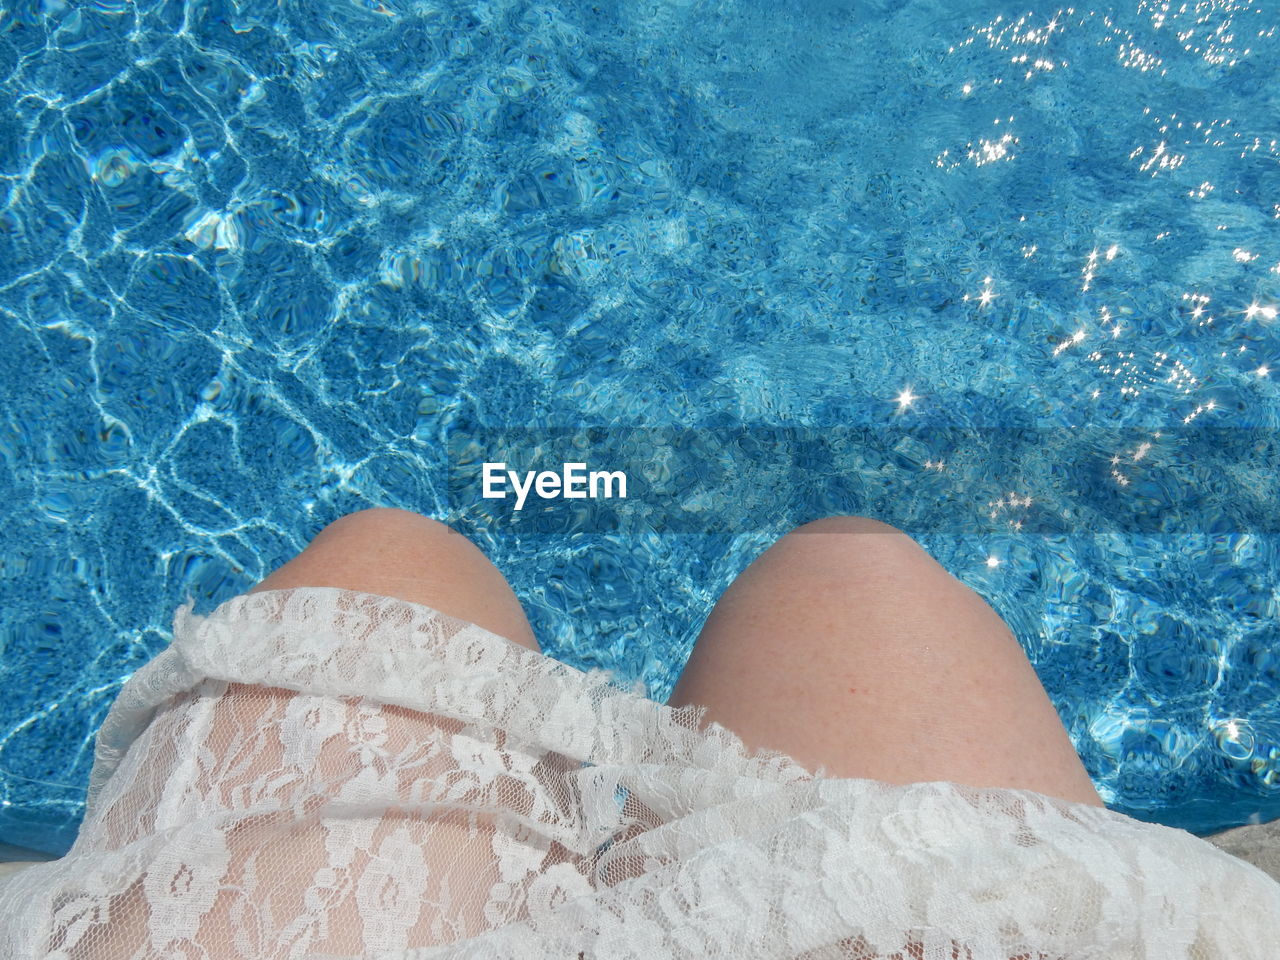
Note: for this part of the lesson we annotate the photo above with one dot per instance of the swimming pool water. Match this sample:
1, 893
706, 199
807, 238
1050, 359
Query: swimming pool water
259, 261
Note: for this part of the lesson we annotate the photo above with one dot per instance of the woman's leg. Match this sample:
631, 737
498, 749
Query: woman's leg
405, 555
281, 866
846, 645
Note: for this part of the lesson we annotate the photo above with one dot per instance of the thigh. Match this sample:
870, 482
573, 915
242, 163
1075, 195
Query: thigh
316, 878
401, 554
845, 645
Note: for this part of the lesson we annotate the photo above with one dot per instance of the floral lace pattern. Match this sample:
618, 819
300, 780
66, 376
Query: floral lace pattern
323, 773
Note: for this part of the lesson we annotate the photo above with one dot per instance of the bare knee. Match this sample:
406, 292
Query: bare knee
402, 554
843, 547
863, 569
391, 542
379, 530
847, 524
367, 547
381, 521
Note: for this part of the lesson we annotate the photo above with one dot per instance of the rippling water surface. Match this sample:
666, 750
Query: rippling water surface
258, 261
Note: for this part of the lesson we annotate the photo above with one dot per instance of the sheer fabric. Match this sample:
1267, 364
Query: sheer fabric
324, 773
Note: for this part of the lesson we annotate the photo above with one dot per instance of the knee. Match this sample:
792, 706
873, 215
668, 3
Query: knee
844, 547
403, 554
847, 525
377, 528
381, 520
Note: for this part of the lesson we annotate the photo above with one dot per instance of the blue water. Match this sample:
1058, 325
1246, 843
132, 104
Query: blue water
259, 260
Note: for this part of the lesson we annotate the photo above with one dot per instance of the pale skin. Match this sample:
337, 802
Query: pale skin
844, 645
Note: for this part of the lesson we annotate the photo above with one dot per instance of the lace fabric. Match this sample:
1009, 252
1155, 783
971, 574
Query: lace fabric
323, 773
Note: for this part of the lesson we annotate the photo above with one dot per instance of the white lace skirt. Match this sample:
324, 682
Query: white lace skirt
323, 773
